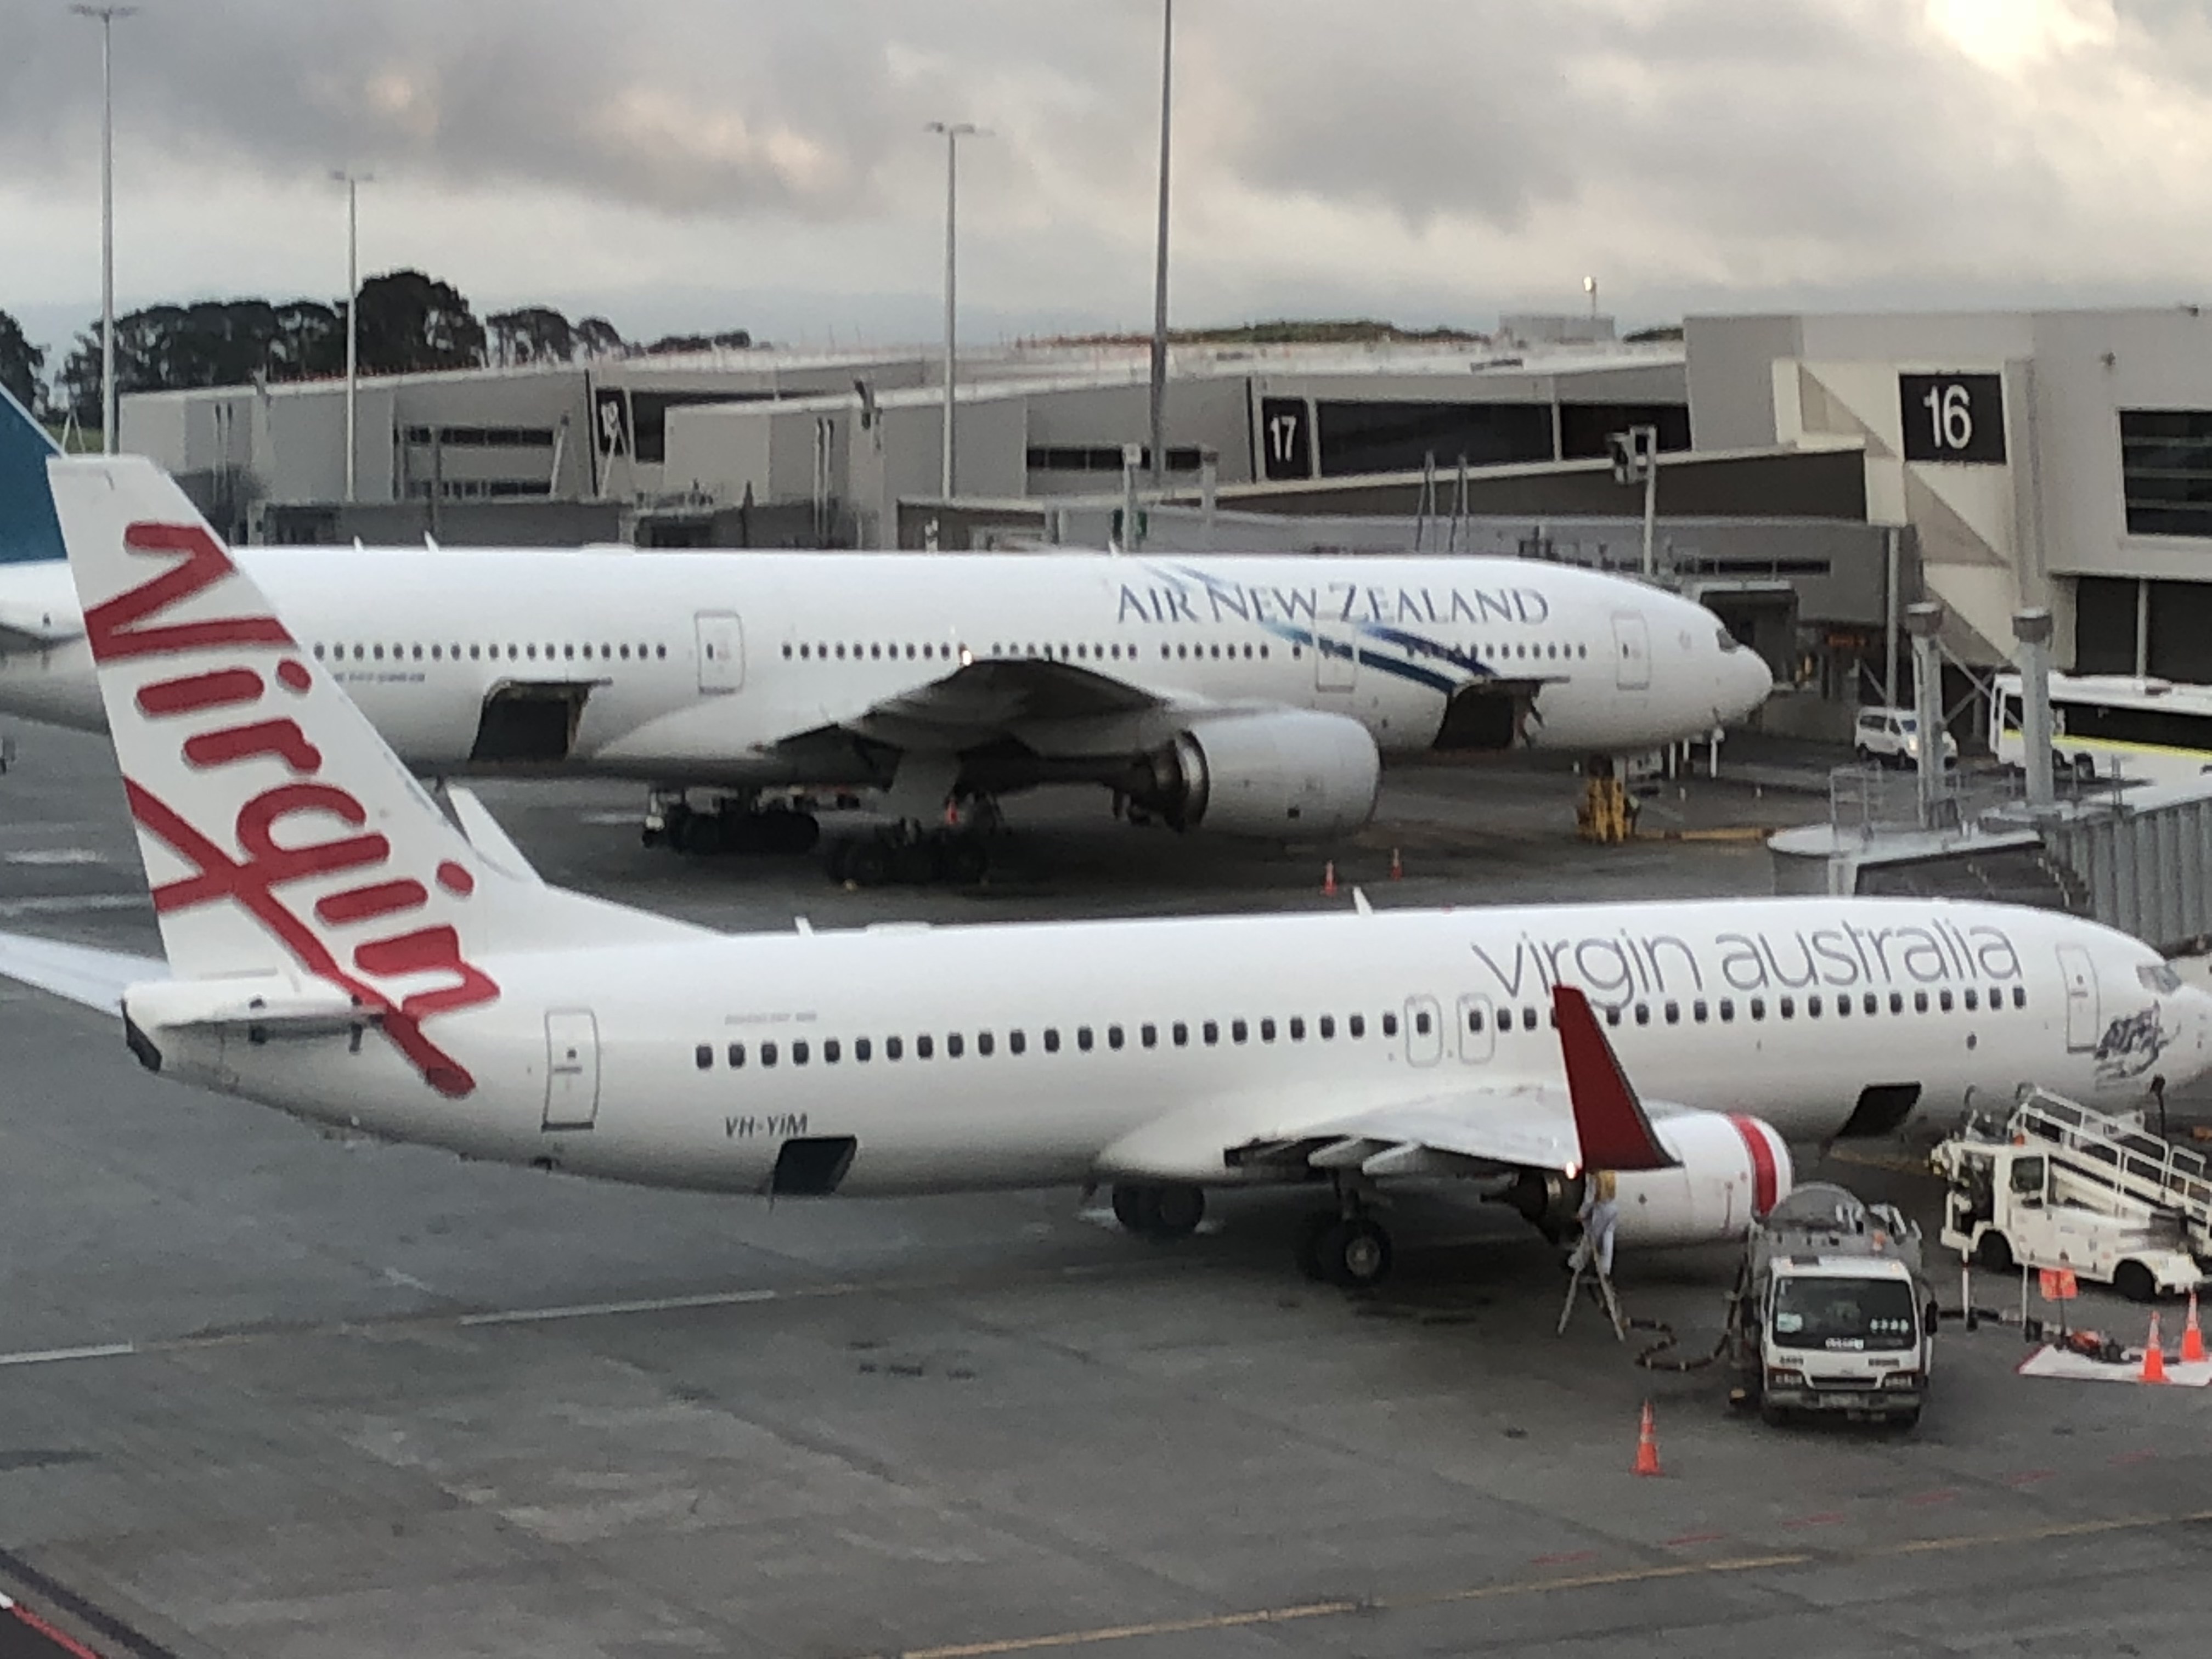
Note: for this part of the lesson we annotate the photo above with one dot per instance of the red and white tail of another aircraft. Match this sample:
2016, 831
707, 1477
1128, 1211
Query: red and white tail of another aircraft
340, 947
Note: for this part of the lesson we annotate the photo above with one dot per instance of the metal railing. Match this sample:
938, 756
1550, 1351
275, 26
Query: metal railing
1871, 801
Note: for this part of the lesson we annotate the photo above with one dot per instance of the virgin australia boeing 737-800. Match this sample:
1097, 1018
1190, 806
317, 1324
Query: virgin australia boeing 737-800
341, 949
1247, 695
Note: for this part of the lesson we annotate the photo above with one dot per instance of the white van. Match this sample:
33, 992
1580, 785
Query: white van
1891, 737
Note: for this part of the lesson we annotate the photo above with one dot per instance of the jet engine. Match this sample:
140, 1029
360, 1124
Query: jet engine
1288, 773
1733, 1171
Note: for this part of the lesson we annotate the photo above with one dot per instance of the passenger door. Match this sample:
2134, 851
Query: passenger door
2083, 1024
572, 1068
1478, 1029
1336, 660
1631, 656
721, 650
1425, 1031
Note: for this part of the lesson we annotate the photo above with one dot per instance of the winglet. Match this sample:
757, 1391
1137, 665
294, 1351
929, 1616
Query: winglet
1609, 1119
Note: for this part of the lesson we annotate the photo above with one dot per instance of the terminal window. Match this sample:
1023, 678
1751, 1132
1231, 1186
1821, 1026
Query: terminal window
2166, 471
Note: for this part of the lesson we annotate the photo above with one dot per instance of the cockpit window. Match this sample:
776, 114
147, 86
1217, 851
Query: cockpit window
1728, 641
2157, 976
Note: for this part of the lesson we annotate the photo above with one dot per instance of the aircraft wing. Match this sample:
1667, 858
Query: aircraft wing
995, 697
1594, 1120
81, 973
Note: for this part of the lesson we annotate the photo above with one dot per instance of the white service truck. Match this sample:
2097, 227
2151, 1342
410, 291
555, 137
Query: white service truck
2061, 1186
1831, 1312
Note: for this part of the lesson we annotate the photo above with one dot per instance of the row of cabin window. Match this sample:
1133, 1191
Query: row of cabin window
478, 653
1209, 1032
1080, 652
1785, 1007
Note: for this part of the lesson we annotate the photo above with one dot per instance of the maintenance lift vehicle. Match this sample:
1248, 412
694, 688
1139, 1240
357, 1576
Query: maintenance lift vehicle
2059, 1185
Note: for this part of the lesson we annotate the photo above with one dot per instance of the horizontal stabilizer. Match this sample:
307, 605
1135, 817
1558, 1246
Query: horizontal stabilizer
258, 1010
82, 973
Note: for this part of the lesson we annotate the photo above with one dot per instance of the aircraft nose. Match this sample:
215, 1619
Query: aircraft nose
1746, 682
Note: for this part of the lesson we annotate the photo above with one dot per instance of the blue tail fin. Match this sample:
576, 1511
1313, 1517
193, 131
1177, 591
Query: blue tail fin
28, 531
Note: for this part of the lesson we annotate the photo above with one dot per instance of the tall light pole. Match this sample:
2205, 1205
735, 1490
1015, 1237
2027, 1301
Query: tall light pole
353, 182
954, 131
1159, 398
105, 16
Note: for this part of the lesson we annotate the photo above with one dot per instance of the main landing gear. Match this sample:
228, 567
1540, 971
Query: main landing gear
1348, 1247
908, 855
914, 854
731, 825
1162, 1211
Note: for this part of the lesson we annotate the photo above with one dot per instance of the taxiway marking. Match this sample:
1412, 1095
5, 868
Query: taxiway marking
1552, 1585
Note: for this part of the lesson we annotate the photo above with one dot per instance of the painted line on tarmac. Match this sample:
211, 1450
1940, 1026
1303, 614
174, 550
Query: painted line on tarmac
614, 1309
63, 1356
67, 906
490, 1318
1554, 1585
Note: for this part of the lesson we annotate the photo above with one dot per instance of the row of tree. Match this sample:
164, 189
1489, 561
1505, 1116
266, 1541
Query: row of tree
410, 324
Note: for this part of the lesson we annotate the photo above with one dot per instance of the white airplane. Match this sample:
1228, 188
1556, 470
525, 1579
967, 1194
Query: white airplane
342, 949
1250, 694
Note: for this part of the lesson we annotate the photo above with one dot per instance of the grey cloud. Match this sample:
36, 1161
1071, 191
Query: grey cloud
1808, 131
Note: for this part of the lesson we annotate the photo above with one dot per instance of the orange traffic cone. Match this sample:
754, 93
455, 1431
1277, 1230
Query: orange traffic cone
1647, 1444
1328, 879
1397, 868
2192, 1339
2154, 1370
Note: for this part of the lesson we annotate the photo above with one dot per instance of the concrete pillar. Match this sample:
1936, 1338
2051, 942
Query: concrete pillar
2032, 627
1924, 622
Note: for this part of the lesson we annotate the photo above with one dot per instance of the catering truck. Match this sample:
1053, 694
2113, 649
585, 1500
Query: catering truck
1832, 1311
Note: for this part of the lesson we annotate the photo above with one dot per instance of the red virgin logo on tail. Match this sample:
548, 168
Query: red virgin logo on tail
127, 626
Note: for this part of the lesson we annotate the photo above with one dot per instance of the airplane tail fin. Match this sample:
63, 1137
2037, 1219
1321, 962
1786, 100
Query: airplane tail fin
28, 531
280, 837
1610, 1121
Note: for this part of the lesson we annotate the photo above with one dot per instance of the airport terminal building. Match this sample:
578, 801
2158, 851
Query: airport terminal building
1816, 472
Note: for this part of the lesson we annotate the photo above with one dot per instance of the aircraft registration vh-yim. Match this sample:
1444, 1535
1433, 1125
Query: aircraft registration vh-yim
1249, 696
340, 947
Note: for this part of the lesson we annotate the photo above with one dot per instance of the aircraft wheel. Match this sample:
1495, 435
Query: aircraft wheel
697, 833
792, 832
1133, 1206
913, 863
740, 832
1312, 1233
1176, 1211
833, 860
1995, 1252
966, 860
868, 863
1355, 1254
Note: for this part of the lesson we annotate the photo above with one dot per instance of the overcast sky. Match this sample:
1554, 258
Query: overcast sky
761, 163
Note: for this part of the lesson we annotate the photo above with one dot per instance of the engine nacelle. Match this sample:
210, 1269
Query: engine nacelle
1291, 773
1733, 1171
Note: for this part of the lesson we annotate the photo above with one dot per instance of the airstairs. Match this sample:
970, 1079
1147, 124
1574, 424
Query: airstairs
2095, 1159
